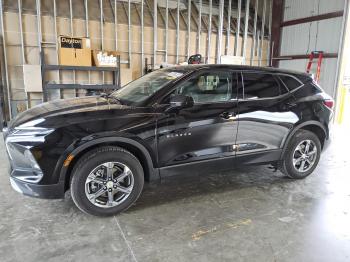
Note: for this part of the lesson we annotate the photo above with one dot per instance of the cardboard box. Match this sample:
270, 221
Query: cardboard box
103, 58
75, 51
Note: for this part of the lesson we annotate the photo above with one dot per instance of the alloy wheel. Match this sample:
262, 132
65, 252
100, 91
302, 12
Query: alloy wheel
109, 184
304, 156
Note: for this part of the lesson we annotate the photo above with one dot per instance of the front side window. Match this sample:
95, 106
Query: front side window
142, 88
261, 85
208, 87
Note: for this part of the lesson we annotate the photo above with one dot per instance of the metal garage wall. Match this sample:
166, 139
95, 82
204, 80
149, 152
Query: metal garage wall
139, 29
302, 39
328, 69
295, 9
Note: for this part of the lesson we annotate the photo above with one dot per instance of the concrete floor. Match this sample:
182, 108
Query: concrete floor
251, 214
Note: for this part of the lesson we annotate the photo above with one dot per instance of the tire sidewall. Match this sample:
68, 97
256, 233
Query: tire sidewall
91, 161
288, 161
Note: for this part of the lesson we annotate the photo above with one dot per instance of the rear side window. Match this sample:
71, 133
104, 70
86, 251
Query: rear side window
261, 85
290, 82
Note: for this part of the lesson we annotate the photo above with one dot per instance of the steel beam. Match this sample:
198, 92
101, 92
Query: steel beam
56, 45
277, 16
5, 61
155, 28
142, 38
188, 28
86, 7
177, 30
312, 18
221, 22
166, 30
246, 21
209, 30
238, 28
38, 19
269, 43
199, 27
24, 60
228, 30
72, 35
262, 32
252, 49
129, 33
116, 24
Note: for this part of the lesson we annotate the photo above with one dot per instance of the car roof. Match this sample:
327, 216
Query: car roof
302, 75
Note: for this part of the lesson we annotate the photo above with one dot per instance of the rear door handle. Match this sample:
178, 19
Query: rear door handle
226, 115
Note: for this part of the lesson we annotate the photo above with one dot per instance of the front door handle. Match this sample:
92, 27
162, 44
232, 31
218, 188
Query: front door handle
226, 115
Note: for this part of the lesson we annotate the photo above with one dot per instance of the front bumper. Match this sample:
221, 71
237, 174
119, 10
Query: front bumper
25, 175
54, 191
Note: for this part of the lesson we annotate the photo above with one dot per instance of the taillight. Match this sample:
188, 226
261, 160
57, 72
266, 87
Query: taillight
329, 103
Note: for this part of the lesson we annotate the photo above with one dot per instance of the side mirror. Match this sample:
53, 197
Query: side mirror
179, 102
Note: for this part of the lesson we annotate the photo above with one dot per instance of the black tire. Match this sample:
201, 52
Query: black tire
286, 165
95, 158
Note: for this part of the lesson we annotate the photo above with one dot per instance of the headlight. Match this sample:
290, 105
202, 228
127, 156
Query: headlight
33, 134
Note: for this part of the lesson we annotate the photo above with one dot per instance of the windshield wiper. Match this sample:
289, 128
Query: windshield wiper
110, 97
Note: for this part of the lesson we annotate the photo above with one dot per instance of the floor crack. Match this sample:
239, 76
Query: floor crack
125, 240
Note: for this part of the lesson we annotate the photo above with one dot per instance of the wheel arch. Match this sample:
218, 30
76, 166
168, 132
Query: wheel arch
141, 153
315, 127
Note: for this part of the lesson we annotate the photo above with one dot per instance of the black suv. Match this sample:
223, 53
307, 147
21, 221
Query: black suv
180, 120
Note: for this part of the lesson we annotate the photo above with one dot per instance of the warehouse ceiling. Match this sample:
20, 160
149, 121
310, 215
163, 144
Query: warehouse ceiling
78, 12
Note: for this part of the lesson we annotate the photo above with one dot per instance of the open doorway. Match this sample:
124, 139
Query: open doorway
343, 97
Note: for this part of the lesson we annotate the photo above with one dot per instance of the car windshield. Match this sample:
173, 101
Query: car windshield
142, 88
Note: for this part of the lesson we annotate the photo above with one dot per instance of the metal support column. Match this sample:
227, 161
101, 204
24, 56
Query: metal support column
38, 20
5, 60
72, 35
87, 29
246, 21
199, 27
24, 61
188, 28
56, 46
166, 29
177, 30
209, 30
102, 34
269, 43
221, 22
252, 49
115, 24
238, 28
228, 30
142, 38
155, 35
129, 32
262, 32
258, 44
277, 13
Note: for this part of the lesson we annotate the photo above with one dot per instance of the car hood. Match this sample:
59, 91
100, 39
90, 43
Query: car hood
64, 107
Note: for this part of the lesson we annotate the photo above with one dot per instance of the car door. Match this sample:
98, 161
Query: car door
265, 117
205, 131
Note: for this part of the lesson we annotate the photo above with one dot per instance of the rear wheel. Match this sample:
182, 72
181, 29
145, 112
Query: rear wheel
302, 155
106, 181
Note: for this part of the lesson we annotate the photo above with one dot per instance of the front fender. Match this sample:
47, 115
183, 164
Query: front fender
81, 145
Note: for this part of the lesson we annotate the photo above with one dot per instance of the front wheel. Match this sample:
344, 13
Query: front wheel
106, 181
302, 155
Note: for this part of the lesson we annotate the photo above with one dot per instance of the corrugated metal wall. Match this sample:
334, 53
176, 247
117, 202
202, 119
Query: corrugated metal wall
301, 39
